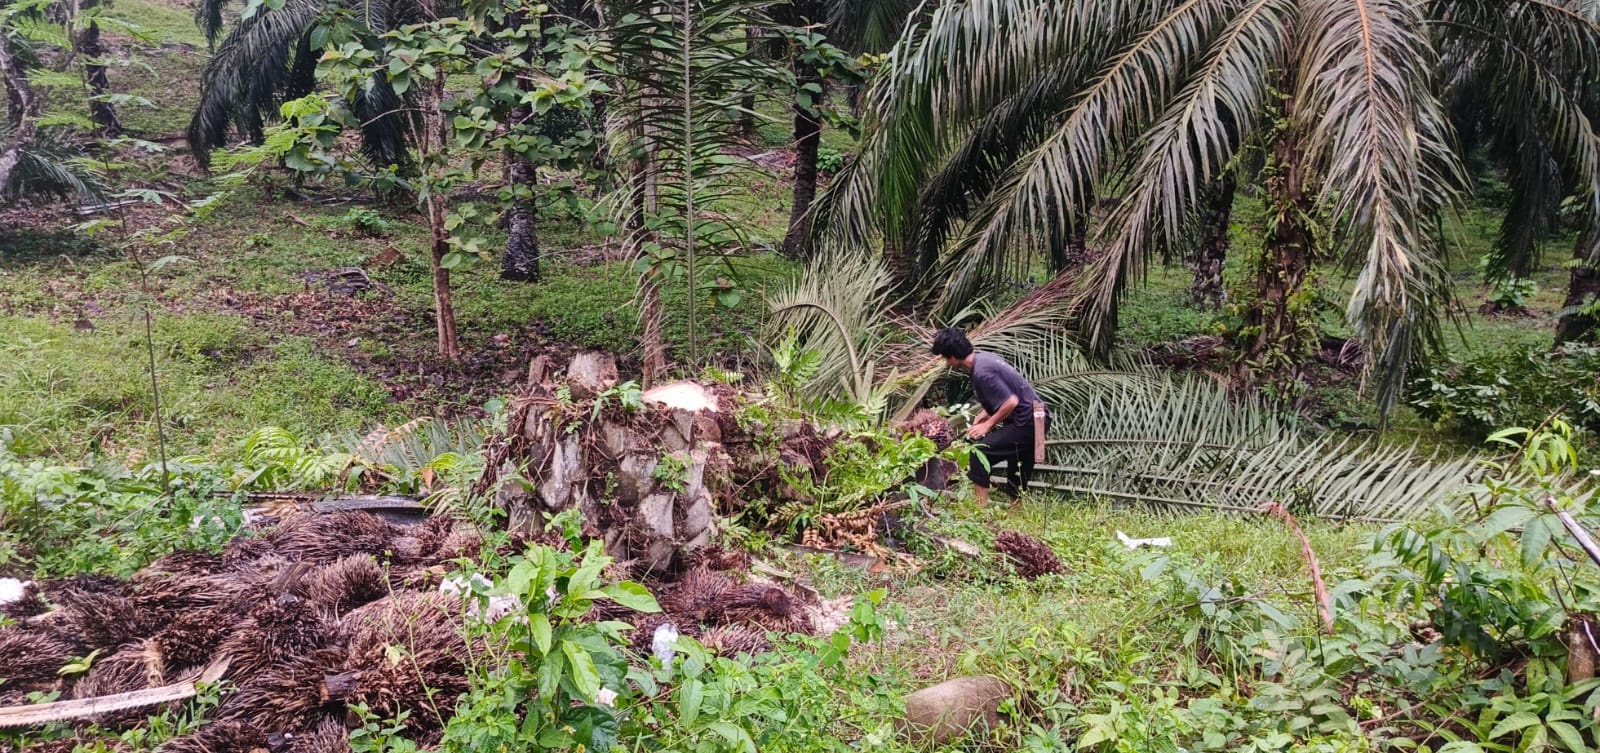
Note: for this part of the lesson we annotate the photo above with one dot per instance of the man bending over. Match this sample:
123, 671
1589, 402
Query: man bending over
1005, 428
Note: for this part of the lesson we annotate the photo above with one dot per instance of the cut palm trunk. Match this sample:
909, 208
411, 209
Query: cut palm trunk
1207, 289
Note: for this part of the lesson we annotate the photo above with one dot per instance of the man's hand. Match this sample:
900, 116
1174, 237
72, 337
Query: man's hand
979, 429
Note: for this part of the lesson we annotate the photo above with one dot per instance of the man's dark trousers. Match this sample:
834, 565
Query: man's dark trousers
1010, 444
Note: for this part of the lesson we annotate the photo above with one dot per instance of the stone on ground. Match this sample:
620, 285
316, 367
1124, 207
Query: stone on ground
948, 711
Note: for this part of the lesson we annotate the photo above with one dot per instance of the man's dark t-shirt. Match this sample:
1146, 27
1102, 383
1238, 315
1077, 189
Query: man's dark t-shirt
995, 381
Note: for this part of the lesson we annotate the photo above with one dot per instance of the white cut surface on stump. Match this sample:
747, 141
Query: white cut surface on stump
681, 396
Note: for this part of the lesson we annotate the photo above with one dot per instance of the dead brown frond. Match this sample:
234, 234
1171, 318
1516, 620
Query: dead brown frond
244, 550
31, 604
344, 585
135, 666
278, 629
721, 559
328, 736
699, 596
107, 616
30, 655
191, 638
217, 737
411, 655
285, 696
733, 640
324, 538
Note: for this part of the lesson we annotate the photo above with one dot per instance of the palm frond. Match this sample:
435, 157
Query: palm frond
208, 16
1385, 147
1184, 444
961, 67
972, 168
51, 164
1533, 68
867, 25
242, 80
268, 58
1067, 169
838, 309
1184, 152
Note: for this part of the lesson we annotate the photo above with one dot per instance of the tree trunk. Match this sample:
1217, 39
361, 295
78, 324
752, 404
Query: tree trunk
651, 340
435, 139
444, 308
747, 103
104, 115
23, 108
521, 259
1206, 289
807, 138
1583, 290
904, 265
1071, 253
1275, 340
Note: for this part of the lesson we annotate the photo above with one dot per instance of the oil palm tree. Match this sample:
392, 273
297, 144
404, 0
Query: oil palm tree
1506, 126
1006, 119
36, 158
857, 26
270, 55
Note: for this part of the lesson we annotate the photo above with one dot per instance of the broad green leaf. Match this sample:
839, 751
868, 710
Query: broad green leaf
592, 727
539, 626
522, 577
1569, 737
632, 596
1504, 519
690, 694
1510, 724
1535, 540
1096, 735
584, 675
735, 736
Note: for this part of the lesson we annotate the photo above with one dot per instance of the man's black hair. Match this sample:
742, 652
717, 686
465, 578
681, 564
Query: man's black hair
952, 343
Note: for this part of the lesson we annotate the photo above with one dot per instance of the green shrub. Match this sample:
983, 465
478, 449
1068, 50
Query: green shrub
1517, 387
829, 160
58, 520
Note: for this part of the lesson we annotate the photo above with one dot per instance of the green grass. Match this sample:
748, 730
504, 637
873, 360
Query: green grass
236, 350
68, 394
963, 617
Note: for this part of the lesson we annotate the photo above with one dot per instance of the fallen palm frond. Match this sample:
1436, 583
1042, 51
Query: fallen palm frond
1186, 445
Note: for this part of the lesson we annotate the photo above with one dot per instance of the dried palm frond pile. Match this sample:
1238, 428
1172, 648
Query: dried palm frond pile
320, 595
322, 613
720, 604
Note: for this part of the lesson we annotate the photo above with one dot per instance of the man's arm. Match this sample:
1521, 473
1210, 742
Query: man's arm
984, 426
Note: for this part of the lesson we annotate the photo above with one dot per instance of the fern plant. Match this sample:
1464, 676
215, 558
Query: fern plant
275, 459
